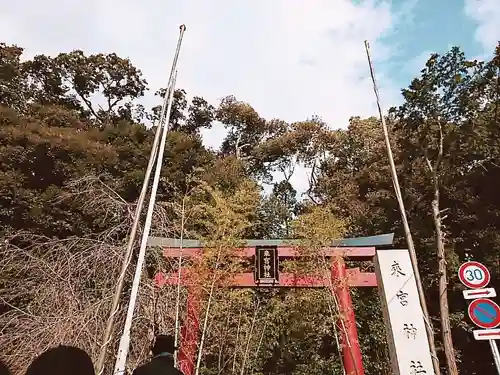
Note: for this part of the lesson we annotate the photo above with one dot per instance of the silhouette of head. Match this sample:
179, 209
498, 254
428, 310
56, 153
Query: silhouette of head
62, 360
163, 344
4, 370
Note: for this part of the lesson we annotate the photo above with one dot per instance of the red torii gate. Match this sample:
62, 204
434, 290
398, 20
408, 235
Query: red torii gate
342, 279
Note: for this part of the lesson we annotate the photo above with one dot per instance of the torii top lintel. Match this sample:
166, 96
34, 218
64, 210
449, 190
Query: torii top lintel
360, 247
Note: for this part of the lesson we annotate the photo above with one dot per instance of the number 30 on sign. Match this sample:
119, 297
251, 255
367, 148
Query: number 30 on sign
474, 275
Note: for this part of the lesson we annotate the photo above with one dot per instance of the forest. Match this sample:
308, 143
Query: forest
74, 146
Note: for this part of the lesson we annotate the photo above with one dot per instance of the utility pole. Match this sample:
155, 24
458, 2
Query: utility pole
162, 130
409, 239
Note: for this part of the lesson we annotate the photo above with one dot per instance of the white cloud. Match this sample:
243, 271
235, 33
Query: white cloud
487, 14
289, 59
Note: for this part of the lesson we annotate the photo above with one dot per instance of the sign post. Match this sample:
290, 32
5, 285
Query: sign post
496, 354
483, 312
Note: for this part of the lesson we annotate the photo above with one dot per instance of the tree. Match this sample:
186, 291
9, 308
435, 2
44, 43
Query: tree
278, 211
179, 105
115, 78
12, 84
225, 218
354, 179
200, 113
47, 83
37, 160
434, 109
306, 143
246, 128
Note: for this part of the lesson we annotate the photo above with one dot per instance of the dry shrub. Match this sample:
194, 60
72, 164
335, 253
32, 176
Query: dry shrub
60, 291
54, 295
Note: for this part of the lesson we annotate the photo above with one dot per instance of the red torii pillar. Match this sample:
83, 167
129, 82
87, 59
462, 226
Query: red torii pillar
341, 279
190, 333
351, 351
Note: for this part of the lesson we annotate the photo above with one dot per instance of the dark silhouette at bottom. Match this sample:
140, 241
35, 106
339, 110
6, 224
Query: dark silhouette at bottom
162, 362
4, 370
62, 360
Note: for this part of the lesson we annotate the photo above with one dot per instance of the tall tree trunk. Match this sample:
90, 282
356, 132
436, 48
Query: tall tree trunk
443, 282
444, 310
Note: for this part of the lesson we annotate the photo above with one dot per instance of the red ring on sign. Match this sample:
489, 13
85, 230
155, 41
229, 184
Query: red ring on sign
495, 323
482, 267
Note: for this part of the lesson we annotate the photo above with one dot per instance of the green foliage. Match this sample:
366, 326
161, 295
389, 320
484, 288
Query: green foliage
452, 97
277, 212
75, 142
318, 227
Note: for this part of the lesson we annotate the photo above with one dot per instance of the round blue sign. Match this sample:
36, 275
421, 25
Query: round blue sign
484, 313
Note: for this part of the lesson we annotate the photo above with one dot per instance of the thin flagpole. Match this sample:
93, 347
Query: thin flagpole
127, 258
163, 125
123, 348
106, 339
406, 226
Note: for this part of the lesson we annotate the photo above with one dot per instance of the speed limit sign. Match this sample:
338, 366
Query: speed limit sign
474, 275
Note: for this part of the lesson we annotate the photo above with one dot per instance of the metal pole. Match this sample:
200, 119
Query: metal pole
121, 358
164, 123
128, 256
406, 226
496, 354
130, 245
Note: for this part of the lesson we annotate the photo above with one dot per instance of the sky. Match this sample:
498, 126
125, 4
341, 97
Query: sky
290, 59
